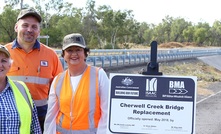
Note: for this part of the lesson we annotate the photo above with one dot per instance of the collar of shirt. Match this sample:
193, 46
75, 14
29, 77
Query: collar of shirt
16, 45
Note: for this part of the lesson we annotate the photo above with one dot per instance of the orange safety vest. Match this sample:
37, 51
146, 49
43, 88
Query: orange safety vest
79, 111
36, 68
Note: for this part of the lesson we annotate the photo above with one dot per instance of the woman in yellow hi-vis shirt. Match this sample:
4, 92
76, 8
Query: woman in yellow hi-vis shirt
18, 114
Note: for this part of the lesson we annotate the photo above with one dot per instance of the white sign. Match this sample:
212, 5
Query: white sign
141, 104
43, 36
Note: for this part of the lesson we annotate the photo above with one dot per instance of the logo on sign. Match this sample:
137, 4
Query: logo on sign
151, 87
127, 81
177, 87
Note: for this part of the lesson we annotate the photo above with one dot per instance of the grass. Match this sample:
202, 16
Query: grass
197, 68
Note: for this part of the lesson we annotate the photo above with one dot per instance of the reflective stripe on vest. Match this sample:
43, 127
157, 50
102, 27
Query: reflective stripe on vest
93, 115
41, 102
31, 79
35, 80
24, 89
66, 131
23, 103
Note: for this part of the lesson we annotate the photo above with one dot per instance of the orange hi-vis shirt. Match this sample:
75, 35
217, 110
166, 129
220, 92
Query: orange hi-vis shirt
80, 110
36, 68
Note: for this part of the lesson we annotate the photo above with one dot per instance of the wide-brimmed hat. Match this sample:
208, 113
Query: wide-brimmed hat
74, 39
29, 12
4, 50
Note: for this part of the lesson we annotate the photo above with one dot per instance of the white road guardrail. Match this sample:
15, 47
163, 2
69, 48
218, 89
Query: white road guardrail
121, 57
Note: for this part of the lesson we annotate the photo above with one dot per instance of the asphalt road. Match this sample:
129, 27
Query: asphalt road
208, 108
214, 61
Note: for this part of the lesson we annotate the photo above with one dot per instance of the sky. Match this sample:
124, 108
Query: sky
153, 11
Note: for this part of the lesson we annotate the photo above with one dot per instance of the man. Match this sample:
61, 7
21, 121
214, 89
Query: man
33, 62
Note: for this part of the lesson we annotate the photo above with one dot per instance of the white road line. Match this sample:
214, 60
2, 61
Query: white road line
207, 97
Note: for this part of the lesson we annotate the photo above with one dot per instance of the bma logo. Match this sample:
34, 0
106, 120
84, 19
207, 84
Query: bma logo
177, 87
151, 87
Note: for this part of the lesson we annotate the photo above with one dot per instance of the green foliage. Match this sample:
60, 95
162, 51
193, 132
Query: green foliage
93, 43
188, 34
7, 24
105, 28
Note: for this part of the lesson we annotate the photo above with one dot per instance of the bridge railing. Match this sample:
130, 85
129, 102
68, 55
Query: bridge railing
122, 57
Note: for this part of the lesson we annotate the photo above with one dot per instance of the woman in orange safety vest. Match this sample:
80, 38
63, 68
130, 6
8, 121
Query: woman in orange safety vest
78, 97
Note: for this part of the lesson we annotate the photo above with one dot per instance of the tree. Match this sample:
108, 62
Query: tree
7, 24
148, 34
13, 3
215, 32
201, 33
177, 27
90, 26
188, 33
105, 28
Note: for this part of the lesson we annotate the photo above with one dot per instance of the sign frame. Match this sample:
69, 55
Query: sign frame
147, 104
